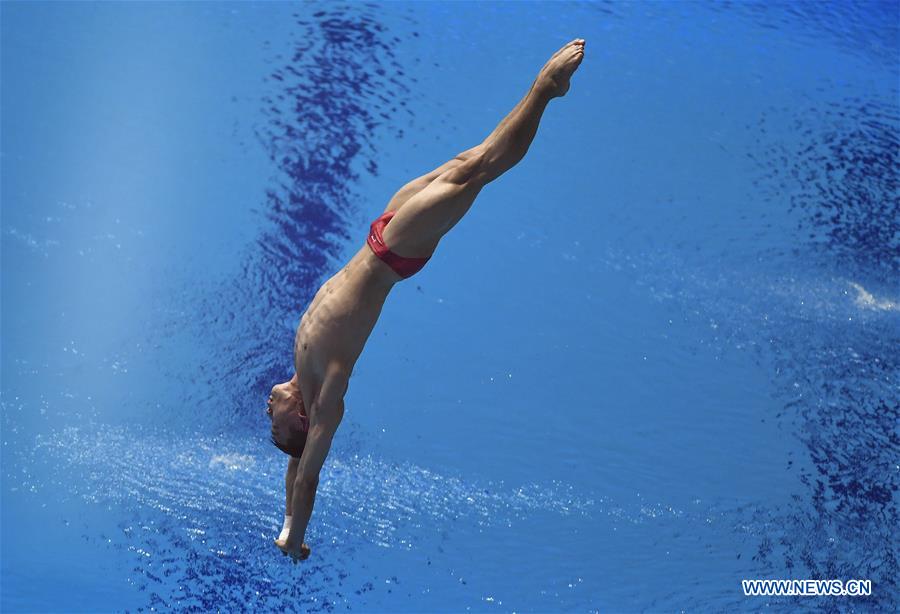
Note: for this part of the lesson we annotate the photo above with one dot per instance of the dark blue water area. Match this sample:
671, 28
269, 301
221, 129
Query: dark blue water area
657, 357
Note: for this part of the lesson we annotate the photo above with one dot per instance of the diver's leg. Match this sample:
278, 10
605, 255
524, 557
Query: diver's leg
428, 214
419, 183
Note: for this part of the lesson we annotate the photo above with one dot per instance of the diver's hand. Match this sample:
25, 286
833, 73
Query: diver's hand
297, 554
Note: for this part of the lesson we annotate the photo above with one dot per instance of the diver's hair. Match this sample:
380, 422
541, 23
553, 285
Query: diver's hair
291, 449
296, 438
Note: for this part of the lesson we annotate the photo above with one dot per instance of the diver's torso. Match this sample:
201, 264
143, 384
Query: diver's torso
336, 325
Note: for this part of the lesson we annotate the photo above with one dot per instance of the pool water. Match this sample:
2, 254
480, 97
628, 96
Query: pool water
657, 357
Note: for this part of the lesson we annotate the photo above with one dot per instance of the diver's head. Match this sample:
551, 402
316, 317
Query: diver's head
288, 415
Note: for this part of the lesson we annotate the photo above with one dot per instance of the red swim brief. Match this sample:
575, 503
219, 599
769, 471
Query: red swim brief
404, 267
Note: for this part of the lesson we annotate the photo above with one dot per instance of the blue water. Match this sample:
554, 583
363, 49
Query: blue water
657, 357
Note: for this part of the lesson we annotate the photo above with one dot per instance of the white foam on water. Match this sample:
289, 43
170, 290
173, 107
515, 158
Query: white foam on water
385, 501
865, 300
233, 461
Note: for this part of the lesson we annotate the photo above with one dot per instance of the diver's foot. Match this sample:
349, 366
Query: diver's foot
553, 80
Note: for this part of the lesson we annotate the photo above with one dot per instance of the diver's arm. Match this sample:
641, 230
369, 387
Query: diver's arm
289, 477
325, 415
318, 443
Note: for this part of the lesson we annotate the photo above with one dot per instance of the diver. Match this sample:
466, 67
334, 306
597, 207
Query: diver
305, 412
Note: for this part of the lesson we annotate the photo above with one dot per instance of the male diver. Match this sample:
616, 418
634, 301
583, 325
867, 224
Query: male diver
306, 411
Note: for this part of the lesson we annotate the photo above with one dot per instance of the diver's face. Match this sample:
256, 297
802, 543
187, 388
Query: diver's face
278, 407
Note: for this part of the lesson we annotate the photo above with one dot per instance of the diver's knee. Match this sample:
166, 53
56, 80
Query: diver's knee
470, 172
468, 154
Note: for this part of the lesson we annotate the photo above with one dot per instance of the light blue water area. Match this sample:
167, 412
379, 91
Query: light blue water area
657, 357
